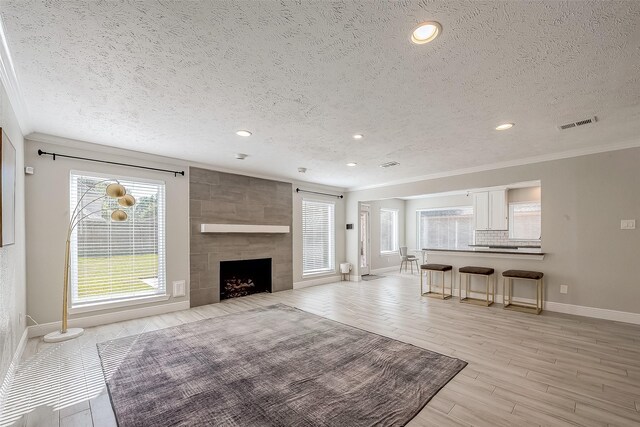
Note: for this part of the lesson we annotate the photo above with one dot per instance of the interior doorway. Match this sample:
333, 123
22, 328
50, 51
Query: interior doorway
365, 239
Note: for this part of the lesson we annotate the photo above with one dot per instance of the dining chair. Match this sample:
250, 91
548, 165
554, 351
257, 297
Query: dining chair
405, 259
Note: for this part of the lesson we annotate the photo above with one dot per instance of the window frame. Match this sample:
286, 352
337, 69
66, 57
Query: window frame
396, 231
93, 305
512, 217
331, 233
419, 242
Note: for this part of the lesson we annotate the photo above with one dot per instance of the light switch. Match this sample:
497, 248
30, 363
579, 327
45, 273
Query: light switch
179, 288
564, 289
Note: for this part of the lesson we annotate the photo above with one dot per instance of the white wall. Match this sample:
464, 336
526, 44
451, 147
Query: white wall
583, 200
379, 260
12, 258
47, 204
340, 224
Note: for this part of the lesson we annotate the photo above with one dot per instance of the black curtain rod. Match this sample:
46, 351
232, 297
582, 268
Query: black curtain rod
54, 155
339, 196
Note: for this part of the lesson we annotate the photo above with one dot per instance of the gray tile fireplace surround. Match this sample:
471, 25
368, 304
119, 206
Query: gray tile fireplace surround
223, 198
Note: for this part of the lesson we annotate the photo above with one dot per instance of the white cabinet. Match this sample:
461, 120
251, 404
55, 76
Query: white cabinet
498, 210
490, 210
481, 210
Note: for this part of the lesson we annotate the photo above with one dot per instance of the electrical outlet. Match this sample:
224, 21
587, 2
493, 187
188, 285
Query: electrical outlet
564, 289
179, 288
628, 224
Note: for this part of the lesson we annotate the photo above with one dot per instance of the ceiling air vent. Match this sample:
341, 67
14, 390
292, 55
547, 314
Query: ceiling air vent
578, 123
389, 164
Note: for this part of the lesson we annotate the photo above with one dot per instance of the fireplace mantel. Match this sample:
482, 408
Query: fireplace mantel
243, 228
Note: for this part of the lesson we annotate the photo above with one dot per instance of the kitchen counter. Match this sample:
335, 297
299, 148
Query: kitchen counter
520, 253
506, 246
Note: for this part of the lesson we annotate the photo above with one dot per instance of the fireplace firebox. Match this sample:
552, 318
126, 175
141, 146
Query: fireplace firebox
244, 277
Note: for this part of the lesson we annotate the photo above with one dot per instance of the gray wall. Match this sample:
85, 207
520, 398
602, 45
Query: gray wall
47, 204
12, 258
378, 260
526, 194
583, 200
223, 198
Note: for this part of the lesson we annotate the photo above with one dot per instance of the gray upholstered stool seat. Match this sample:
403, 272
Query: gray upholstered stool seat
489, 283
483, 271
436, 267
507, 290
523, 274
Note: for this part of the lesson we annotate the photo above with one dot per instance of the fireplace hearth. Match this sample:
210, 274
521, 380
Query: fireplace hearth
244, 277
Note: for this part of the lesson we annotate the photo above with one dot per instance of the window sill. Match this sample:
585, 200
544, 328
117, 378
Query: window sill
98, 306
319, 274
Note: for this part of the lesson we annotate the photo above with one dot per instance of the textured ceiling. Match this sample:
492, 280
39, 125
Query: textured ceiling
179, 78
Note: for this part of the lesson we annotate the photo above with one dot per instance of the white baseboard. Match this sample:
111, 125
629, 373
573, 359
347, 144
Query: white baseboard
598, 313
318, 281
13, 366
578, 310
103, 319
385, 269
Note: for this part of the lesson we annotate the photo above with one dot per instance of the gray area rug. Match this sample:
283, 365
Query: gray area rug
368, 277
273, 366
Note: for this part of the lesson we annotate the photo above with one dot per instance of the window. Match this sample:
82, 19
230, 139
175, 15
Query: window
318, 237
445, 228
525, 221
388, 231
113, 261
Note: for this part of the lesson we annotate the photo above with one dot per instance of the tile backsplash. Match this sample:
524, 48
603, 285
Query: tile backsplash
500, 238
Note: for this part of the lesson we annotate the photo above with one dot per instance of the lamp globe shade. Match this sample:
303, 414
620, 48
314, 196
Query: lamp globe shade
127, 200
119, 215
116, 190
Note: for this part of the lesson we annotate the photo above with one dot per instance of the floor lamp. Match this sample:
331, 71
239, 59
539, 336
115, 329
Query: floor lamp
114, 190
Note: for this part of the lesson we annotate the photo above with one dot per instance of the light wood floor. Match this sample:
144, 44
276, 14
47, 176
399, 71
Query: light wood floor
523, 369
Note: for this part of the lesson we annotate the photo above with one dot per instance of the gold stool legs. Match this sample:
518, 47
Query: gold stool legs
507, 295
490, 292
440, 295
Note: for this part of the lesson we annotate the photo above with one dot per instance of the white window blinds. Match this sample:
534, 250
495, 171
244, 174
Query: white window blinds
388, 230
525, 220
445, 228
113, 261
318, 237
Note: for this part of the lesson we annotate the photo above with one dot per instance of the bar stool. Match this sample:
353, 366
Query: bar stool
490, 290
507, 290
442, 268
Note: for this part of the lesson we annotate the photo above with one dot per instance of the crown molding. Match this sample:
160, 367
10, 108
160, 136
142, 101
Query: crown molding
10, 82
507, 164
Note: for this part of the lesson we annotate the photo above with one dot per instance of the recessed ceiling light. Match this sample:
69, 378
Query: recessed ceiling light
358, 136
241, 156
243, 133
426, 32
505, 126
351, 164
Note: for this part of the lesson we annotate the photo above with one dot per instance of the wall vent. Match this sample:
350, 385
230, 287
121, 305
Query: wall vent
578, 123
389, 164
